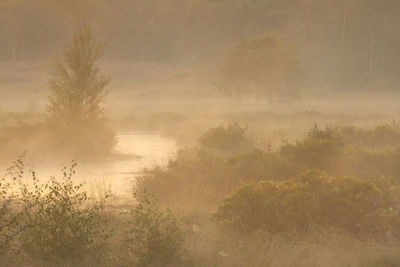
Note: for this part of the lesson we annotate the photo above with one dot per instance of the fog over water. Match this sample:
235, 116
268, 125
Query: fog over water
229, 133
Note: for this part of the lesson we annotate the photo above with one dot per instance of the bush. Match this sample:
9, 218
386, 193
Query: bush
378, 138
209, 174
231, 139
154, 237
320, 149
312, 199
196, 179
58, 221
260, 165
347, 151
8, 222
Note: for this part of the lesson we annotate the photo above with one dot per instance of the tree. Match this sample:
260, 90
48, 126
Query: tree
77, 88
266, 65
77, 92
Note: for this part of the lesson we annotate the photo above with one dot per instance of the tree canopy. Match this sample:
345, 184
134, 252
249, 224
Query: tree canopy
77, 93
267, 65
77, 89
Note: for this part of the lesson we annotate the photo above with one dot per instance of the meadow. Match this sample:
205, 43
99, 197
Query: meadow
308, 183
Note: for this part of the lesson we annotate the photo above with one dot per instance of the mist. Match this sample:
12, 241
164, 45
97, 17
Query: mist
199, 133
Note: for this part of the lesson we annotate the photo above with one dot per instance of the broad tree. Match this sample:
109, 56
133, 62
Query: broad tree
267, 65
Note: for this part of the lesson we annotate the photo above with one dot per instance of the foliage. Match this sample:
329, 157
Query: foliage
182, 29
8, 217
319, 150
196, 179
259, 165
312, 199
232, 138
277, 216
347, 150
204, 170
58, 221
265, 65
378, 138
209, 176
77, 92
154, 237
77, 89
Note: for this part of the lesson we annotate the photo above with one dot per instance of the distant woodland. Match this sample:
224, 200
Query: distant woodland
349, 44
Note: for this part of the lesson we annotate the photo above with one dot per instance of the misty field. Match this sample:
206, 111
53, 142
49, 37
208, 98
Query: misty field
199, 133
228, 182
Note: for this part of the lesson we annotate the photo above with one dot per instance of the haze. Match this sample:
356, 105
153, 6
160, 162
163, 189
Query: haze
199, 133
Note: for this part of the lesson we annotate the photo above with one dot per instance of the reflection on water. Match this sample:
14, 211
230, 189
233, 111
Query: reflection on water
151, 149
114, 175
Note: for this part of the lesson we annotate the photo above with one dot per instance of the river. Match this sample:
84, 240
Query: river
118, 175
139, 150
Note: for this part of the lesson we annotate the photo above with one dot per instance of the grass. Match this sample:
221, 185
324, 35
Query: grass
264, 145
59, 224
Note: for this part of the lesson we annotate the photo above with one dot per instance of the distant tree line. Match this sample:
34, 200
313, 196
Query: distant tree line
346, 43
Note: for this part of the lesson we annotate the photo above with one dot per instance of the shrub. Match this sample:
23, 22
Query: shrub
230, 139
195, 179
320, 149
58, 220
260, 165
154, 237
8, 222
204, 171
312, 199
378, 138
347, 150
209, 174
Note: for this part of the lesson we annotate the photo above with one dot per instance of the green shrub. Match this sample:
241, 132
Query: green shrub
230, 139
154, 237
8, 218
58, 220
200, 176
320, 149
312, 199
260, 165
323, 134
5, 235
347, 151
378, 138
